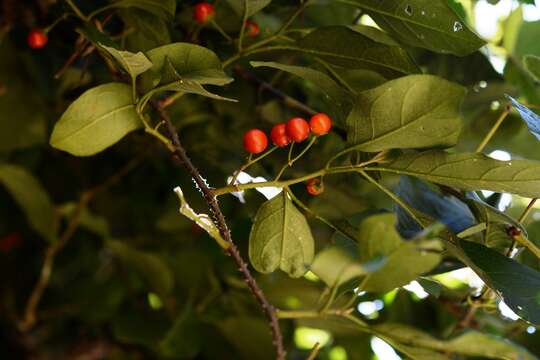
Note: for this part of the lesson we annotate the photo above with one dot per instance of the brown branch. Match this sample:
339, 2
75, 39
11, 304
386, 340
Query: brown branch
219, 219
29, 318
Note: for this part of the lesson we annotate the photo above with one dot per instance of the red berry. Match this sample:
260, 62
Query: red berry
278, 135
513, 231
252, 28
255, 141
203, 12
320, 124
314, 186
10, 241
297, 129
37, 39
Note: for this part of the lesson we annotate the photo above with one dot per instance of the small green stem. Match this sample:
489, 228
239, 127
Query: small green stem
493, 130
243, 28
220, 30
77, 11
393, 197
99, 11
304, 314
290, 161
527, 211
56, 22
250, 162
311, 212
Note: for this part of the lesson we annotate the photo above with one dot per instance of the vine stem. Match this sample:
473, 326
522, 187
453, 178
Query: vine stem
29, 317
219, 219
292, 160
493, 130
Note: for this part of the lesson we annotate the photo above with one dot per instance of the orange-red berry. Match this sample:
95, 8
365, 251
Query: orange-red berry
314, 186
37, 39
255, 141
252, 28
297, 129
203, 12
278, 135
320, 124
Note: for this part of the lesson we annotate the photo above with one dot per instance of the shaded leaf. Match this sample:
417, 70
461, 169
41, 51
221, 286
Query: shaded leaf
340, 45
429, 24
444, 208
335, 95
147, 30
469, 171
150, 267
517, 284
417, 111
31, 197
402, 266
531, 119
335, 267
532, 64
478, 344
280, 238
134, 64
184, 339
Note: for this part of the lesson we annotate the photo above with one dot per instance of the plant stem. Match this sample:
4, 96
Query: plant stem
219, 220
221, 31
493, 130
77, 11
527, 211
311, 212
243, 28
293, 160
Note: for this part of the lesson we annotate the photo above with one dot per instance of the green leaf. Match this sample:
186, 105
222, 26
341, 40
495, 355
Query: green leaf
254, 6
343, 46
414, 343
162, 8
474, 343
134, 64
403, 265
96, 120
377, 235
469, 171
186, 85
532, 64
417, 111
190, 62
517, 284
31, 197
429, 24
335, 95
335, 267
150, 267
280, 238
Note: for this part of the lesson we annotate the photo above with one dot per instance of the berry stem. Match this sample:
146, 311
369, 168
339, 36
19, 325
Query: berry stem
77, 11
220, 30
293, 160
250, 162
243, 28
493, 130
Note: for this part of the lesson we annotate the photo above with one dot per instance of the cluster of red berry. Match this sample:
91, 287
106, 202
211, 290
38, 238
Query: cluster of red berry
282, 134
204, 12
297, 130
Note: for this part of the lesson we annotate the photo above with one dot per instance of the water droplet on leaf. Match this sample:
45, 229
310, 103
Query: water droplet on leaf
408, 10
457, 26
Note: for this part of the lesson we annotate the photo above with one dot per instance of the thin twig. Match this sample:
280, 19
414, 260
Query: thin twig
221, 224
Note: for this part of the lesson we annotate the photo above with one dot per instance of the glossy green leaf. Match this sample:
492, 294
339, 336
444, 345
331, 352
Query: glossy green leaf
34, 201
281, 238
148, 266
253, 6
335, 95
134, 63
343, 46
190, 62
517, 284
377, 235
417, 111
403, 265
532, 64
430, 24
186, 85
469, 171
163, 8
335, 267
96, 120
